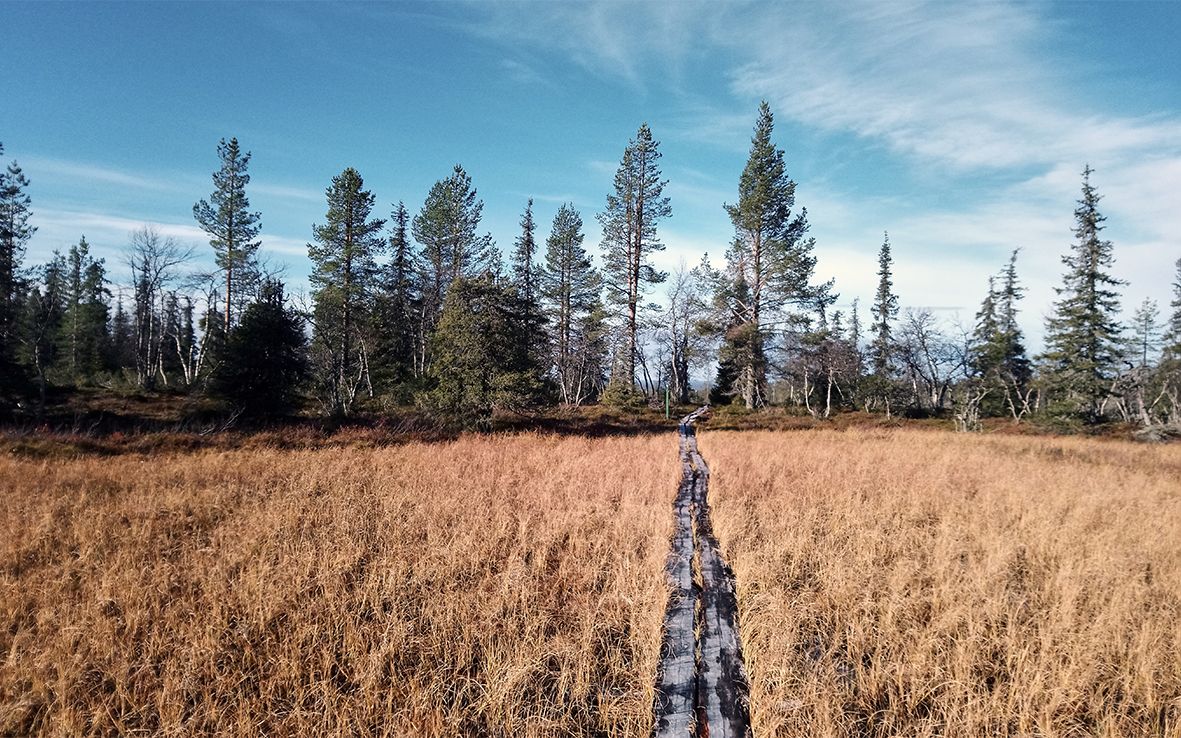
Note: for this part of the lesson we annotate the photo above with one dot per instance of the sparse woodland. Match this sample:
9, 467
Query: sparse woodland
327, 579
423, 308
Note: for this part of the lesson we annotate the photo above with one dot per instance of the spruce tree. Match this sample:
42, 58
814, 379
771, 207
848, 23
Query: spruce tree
741, 347
84, 327
43, 313
885, 310
396, 303
1083, 333
526, 278
1014, 361
263, 362
1145, 336
629, 221
771, 250
15, 233
120, 352
984, 356
344, 268
570, 288
1171, 350
232, 228
472, 348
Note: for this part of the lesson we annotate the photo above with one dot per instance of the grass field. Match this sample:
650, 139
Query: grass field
505, 585
896, 582
891, 582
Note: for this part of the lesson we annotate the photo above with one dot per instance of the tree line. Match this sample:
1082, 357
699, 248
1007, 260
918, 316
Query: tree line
425, 309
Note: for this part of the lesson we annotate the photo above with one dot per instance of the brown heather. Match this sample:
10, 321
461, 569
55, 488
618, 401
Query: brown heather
918, 584
506, 585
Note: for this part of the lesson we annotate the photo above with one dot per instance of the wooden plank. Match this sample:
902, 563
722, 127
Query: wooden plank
701, 687
676, 683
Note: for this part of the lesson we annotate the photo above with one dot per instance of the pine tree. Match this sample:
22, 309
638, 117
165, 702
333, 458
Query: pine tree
446, 228
1082, 334
394, 354
885, 310
264, 362
629, 222
232, 228
344, 269
570, 287
771, 250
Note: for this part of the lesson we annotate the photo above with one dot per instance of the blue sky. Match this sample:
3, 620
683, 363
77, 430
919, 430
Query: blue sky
960, 128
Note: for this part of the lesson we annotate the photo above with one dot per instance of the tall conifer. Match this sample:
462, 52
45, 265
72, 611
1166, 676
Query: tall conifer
232, 227
1082, 334
634, 208
885, 310
771, 253
344, 268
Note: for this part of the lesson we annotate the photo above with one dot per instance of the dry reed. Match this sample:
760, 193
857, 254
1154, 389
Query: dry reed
921, 584
488, 586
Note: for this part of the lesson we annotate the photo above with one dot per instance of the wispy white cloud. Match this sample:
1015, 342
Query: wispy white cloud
109, 227
556, 198
609, 39
284, 245
284, 192
100, 174
963, 84
951, 90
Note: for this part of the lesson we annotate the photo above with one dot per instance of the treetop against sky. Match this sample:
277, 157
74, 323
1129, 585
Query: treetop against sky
962, 129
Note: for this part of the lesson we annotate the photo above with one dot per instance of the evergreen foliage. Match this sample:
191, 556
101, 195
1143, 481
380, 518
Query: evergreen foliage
15, 233
1145, 336
532, 343
344, 270
997, 348
570, 286
771, 254
395, 307
263, 362
1083, 333
1171, 350
42, 323
232, 228
84, 325
885, 310
634, 208
741, 352
121, 349
446, 229
475, 368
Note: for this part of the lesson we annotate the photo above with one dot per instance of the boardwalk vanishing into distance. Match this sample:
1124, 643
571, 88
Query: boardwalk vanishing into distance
701, 689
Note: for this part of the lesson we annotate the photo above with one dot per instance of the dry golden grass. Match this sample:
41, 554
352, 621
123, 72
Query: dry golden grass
489, 586
895, 582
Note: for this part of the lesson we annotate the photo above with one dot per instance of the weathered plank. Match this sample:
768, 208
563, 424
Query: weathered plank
676, 684
721, 676
702, 687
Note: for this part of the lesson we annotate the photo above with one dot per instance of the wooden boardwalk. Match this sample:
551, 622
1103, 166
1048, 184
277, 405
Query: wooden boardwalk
701, 689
